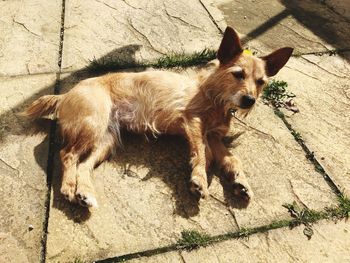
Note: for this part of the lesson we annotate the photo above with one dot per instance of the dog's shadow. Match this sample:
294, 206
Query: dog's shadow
166, 158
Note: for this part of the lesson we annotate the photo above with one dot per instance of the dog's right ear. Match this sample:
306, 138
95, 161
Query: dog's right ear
230, 46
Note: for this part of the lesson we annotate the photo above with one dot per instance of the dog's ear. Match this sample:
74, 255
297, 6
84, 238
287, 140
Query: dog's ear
276, 60
230, 46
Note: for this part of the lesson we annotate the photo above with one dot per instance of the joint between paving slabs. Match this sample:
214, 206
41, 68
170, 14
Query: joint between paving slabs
309, 154
52, 143
211, 17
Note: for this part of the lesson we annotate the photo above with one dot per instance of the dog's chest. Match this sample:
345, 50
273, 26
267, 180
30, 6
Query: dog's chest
217, 122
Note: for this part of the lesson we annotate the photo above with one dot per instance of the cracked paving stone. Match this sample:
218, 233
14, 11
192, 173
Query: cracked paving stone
23, 161
29, 43
276, 168
322, 88
330, 243
144, 201
134, 30
307, 26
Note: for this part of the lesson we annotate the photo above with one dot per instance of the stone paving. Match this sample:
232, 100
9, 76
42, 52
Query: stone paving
143, 195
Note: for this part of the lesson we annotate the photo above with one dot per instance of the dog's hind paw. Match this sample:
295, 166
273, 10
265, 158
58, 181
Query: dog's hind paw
199, 187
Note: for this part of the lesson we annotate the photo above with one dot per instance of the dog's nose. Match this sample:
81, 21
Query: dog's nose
247, 101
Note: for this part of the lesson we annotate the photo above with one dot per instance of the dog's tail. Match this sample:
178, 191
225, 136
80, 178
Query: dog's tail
43, 106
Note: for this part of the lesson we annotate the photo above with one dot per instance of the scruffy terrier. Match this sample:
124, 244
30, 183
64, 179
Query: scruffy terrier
92, 114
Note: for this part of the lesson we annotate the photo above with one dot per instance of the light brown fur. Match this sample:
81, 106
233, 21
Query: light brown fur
92, 114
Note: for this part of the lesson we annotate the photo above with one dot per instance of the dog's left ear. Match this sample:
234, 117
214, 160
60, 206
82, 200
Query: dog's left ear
276, 60
230, 46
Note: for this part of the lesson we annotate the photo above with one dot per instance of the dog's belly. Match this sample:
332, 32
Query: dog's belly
138, 117
152, 102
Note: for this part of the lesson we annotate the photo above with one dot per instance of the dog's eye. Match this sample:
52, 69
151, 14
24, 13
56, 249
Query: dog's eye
239, 74
260, 82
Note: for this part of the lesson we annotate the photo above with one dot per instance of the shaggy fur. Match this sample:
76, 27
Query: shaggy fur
92, 114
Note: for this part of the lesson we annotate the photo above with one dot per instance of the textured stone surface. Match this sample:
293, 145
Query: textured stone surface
322, 88
171, 257
145, 203
23, 160
330, 243
134, 30
29, 43
342, 7
308, 26
277, 170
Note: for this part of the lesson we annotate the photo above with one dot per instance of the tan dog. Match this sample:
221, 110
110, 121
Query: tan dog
93, 112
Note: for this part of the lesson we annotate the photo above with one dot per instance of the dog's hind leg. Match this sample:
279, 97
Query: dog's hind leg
85, 193
69, 159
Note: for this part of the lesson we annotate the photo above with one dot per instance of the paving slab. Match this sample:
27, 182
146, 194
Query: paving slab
322, 88
23, 161
29, 43
145, 202
330, 243
307, 26
134, 30
277, 170
342, 7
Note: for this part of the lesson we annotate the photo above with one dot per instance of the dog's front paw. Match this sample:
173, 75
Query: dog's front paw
240, 186
199, 186
85, 196
68, 190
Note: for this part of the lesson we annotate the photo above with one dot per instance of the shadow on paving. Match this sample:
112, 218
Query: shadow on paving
318, 18
166, 158
313, 15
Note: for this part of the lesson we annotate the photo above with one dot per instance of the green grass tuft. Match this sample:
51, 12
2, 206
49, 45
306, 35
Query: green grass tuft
180, 60
304, 216
276, 93
185, 60
342, 210
297, 135
191, 239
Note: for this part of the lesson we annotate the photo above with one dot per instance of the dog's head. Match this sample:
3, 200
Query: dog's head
241, 77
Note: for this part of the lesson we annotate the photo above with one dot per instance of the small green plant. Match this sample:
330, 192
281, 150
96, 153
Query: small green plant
191, 239
244, 232
180, 60
342, 210
304, 216
275, 93
184, 60
296, 135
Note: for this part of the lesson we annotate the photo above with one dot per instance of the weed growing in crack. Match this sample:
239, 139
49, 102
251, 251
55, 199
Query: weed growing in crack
180, 60
184, 60
276, 94
297, 136
244, 233
191, 239
342, 210
304, 216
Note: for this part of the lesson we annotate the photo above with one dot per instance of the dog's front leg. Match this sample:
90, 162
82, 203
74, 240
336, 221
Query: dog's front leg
231, 167
199, 155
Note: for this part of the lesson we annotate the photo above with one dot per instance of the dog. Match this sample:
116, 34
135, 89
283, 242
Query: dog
199, 108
